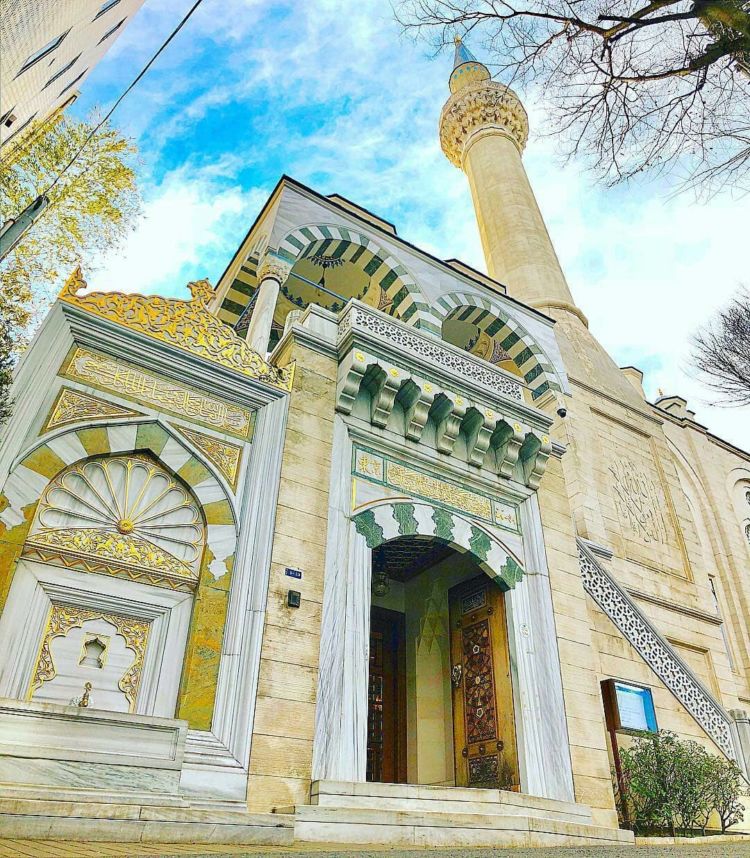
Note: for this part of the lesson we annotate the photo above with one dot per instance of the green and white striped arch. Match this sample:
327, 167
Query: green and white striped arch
537, 371
389, 520
402, 297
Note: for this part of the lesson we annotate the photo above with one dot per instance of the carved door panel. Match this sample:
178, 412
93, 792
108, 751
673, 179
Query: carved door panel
386, 721
483, 719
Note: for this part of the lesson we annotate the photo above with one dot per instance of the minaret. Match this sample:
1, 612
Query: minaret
483, 130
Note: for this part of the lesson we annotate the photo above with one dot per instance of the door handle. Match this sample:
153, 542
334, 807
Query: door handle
456, 674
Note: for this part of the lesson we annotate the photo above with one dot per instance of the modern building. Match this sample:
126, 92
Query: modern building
402, 563
48, 48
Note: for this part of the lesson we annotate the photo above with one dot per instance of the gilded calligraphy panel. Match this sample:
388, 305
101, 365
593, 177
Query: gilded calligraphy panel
414, 482
127, 381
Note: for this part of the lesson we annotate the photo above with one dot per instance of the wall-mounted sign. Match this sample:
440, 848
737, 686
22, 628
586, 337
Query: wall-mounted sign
293, 573
630, 707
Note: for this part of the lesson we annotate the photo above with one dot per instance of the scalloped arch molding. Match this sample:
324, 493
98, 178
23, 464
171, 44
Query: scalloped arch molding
386, 521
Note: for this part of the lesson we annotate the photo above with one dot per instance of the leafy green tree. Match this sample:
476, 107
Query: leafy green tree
650, 781
6, 368
670, 784
693, 787
92, 207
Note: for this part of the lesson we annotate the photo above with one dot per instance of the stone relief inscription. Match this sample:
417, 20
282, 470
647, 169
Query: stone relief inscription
638, 501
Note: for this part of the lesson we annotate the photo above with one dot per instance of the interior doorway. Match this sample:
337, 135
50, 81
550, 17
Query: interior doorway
386, 698
440, 694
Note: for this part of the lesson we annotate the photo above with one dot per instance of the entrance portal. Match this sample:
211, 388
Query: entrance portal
440, 697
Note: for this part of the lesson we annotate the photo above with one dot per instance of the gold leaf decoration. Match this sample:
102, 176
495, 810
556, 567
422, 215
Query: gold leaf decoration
71, 406
186, 325
415, 482
106, 373
116, 547
125, 512
225, 456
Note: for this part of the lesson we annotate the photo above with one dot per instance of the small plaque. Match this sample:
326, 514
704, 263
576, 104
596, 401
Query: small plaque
505, 515
367, 464
474, 601
293, 573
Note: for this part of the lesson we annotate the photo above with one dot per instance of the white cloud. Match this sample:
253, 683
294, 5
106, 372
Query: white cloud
190, 229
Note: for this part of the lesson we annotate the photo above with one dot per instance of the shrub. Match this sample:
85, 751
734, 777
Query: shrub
670, 785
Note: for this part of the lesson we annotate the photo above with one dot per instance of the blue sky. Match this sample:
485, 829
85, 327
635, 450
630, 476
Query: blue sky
331, 93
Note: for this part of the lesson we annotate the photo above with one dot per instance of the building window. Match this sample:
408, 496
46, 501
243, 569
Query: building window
112, 30
42, 52
20, 128
747, 533
62, 71
7, 119
73, 82
105, 7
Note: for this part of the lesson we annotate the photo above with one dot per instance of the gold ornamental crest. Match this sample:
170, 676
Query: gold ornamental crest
187, 325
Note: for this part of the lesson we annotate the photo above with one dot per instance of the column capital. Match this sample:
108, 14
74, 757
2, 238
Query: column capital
482, 105
273, 267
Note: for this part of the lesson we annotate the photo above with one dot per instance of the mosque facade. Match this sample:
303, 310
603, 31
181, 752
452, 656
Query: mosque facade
360, 546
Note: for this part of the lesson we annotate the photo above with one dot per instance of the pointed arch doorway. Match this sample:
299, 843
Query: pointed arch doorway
440, 694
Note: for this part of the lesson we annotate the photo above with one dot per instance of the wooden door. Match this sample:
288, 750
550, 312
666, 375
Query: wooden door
483, 720
386, 698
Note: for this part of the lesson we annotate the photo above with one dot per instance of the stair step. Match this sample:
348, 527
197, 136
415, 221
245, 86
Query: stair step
316, 823
110, 810
380, 816
35, 793
438, 805
34, 819
350, 794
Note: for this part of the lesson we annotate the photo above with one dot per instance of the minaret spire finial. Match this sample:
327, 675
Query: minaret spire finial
466, 67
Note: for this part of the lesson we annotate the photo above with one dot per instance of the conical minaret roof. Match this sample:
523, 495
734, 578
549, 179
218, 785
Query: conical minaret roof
466, 68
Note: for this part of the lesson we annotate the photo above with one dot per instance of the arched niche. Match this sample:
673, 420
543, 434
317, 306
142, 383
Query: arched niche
117, 527
483, 328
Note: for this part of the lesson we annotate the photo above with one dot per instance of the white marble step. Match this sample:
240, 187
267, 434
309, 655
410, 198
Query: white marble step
414, 797
421, 805
26, 818
8, 791
316, 823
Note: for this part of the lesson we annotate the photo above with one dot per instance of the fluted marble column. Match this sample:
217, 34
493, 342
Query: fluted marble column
272, 272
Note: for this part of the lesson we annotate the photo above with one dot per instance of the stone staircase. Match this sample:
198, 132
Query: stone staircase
28, 813
409, 815
340, 813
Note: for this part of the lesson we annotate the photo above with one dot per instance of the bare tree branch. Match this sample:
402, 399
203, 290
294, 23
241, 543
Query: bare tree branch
721, 352
633, 85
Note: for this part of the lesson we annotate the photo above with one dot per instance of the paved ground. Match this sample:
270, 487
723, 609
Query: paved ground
68, 849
